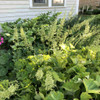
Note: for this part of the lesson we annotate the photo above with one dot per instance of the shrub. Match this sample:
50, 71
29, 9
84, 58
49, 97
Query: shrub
68, 72
96, 11
7, 89
37, 34
41, 63
84, 31
5, 63
31, 26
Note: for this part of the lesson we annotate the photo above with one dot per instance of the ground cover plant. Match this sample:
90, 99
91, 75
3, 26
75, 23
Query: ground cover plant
85, 31
49, 59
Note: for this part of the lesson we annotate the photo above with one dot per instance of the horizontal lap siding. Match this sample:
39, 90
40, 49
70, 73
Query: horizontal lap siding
11, 10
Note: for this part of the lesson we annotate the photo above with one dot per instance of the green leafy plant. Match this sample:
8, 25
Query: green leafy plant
65, 72
22, 44
7, 89
84, 31
45, 59
5, 64
55, 96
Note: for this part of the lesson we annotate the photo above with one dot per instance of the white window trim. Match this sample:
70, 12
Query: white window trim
49, 5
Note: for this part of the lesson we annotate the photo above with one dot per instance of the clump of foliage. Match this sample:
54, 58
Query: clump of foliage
84, 31
44, 59
30, 26
7, 89
67, 73
41, 36
96, 11
76, 30
22, 44
5, 63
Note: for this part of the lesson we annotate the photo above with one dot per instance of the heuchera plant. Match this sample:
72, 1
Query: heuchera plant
1, 40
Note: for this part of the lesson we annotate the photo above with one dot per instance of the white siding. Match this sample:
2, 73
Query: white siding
11, 10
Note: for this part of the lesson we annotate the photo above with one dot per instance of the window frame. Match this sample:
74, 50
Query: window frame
50, 5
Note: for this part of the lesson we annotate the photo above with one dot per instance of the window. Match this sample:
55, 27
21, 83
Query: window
47, 3
40, 2
57, 2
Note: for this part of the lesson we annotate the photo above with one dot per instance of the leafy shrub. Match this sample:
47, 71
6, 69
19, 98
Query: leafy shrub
96, 11
22, 44
41, 63
7, 89
30, 26
84, 31
35, 30
41, 36
5, 63
68, 72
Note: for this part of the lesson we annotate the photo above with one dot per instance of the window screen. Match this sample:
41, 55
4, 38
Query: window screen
40, 2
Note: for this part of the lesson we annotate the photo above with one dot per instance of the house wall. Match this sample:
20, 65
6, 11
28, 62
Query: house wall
93, 3
11, 10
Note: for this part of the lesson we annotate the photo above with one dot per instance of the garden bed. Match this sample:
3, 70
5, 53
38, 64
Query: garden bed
50, 59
